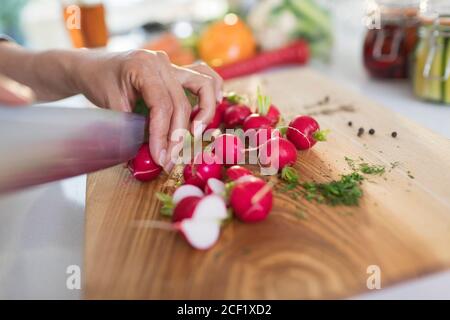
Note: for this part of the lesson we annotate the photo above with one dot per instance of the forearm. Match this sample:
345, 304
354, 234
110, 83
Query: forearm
49, 74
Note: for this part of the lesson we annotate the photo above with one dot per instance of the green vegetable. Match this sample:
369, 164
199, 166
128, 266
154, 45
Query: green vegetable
446, 84
290, 175
346, 191
168, 205
141, 108
372, 169
365, 168
263, 102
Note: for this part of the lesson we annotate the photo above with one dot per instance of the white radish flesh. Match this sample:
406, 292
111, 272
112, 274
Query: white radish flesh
210, 208
215, 186
185, 191
201, 235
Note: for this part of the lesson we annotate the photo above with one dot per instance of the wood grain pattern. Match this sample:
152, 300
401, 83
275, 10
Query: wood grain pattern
402, 224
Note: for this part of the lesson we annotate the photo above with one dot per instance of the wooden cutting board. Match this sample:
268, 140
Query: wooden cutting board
402, 224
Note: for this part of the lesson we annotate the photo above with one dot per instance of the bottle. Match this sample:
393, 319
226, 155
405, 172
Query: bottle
391, 37
86, 23
431, 79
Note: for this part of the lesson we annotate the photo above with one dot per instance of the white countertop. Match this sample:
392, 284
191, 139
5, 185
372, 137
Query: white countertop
42, 228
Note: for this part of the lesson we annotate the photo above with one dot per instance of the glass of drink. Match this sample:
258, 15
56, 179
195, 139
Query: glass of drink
85, 22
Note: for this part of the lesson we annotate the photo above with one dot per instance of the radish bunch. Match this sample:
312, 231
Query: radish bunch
215, 185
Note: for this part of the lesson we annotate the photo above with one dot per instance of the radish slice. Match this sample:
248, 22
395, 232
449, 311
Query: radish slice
185, 191
215, 186
210, 208
201, 235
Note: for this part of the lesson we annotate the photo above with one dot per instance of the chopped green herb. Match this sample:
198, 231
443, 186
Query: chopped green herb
168, 205
364, 167
290, 175
351, 163
346, 191
371, 169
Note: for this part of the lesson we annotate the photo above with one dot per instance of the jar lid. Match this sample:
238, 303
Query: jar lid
435, 12
395, 9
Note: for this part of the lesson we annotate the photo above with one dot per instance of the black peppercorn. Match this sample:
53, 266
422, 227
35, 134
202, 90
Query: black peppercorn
394, 134
360, 132
372, 131
350, 123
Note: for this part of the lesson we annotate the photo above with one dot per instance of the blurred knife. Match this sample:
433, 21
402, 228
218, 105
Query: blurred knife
42, 144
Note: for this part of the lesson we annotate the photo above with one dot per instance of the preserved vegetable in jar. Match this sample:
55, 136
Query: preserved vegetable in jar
431, 79
391, 37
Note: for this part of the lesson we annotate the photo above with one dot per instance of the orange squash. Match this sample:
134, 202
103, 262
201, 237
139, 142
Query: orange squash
226, 41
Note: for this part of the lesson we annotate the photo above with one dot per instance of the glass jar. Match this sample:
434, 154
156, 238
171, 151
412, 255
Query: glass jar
85, 22
432, 57
391, 37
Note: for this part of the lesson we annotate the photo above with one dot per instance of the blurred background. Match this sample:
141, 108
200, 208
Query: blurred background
361, 41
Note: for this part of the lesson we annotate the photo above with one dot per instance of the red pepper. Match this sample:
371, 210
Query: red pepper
295, 53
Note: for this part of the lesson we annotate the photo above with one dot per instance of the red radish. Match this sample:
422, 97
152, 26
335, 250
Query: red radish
216, 120
277, 153
256, 121
215, 186
266, 109
204, 167
251, 200
236, 172
142, 166
235, 115
230, 99
185, 208
304, 132
258, 129
268, 134
297, 52
210, 207
185, 191
273, 114
201, 235
229, 148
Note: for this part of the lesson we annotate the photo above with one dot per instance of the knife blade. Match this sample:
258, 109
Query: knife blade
43, 144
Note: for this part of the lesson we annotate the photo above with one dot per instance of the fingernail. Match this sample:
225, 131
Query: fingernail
219, 96
198, 130
162, 158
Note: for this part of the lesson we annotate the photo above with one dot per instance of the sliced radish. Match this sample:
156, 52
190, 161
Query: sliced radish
235, 172
185, 191
215, 186
185, 209
200, 235
211, 207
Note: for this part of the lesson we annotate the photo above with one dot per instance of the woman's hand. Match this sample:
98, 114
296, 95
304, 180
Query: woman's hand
116, 81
